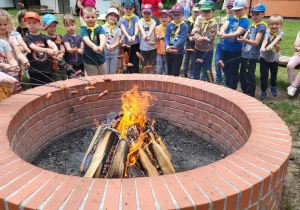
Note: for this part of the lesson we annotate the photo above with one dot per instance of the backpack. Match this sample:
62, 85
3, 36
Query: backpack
77, 10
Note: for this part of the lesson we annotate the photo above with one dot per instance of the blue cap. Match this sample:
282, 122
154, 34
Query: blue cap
177, 8
147, 8
128, 3
48, 19
258, 8
166, 12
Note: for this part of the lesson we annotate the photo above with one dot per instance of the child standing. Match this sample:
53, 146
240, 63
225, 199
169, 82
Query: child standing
147, 27
219, 51
234, 27
161, 60
72, 41
22, 28
113, 37
295, 60
252, 40
269, 56
190, 44
94, 40
12, 38
206, 30
176, 33
41, 47
129, 27
50, 24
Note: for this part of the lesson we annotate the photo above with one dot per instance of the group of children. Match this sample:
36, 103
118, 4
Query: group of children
52, 57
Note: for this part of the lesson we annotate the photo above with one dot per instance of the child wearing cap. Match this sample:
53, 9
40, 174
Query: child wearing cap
41, 47
50, 24
147, 28
176, 33
161, 60
206, 30
219, 50
190, 44
94, 40
129, 27
235, 26
72, 41
113, 37
252, 40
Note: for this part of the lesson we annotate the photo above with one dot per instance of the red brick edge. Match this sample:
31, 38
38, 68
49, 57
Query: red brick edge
256, 140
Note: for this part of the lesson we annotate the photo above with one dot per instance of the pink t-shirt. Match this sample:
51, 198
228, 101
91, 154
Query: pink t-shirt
154, 4
86, 3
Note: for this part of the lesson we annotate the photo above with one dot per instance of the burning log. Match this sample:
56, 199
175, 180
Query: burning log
134, 171
118, 166
102, 149
151, 134
146, 163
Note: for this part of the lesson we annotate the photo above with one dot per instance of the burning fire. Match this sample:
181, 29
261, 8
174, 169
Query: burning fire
135, 106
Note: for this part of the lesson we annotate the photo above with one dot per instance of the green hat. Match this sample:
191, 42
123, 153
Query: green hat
208, 5
195, 9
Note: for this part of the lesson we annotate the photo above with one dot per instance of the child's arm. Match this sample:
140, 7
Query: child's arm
12, 61
117, 42
152, 29
21, 56
235, 34
52, 46
223, 29
142, 32
182, 35
125, 32
250, 42
136, 31
263, 45
23, 45
275, 41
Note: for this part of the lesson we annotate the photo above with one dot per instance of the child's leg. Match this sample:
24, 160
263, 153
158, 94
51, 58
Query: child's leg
264, 74
169, 57
242, 74
152, 59
197, 66
295, 60
107, 61
91, 70
176, 64
207, 60
113, 65
250, 77
134, 59
159, 64
192, 63
102, 69
235, 59
186, 63
273, 71
226, 69
165, 65
218, 56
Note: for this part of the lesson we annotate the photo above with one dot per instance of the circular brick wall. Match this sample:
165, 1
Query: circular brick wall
256, 140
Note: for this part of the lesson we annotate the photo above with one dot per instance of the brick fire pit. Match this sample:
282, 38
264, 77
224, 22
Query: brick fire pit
256, 140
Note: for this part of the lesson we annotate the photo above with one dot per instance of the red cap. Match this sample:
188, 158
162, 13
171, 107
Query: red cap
32, 15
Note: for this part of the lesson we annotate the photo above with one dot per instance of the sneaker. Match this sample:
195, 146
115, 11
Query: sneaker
27, 73
263, 95
218, 81
192, 77
184, 75
273, 91
291, 90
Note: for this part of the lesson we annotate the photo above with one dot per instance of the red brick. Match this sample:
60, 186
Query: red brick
96, 193
146, 199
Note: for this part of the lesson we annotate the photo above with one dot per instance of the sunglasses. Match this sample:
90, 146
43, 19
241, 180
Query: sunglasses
114, 15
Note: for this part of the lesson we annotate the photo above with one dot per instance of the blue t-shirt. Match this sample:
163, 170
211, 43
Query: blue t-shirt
130, 30
92, 58
253, 52
179, 40
231, 44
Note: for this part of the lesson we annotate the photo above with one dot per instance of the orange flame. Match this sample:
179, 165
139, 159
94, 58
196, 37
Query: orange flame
134, 110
